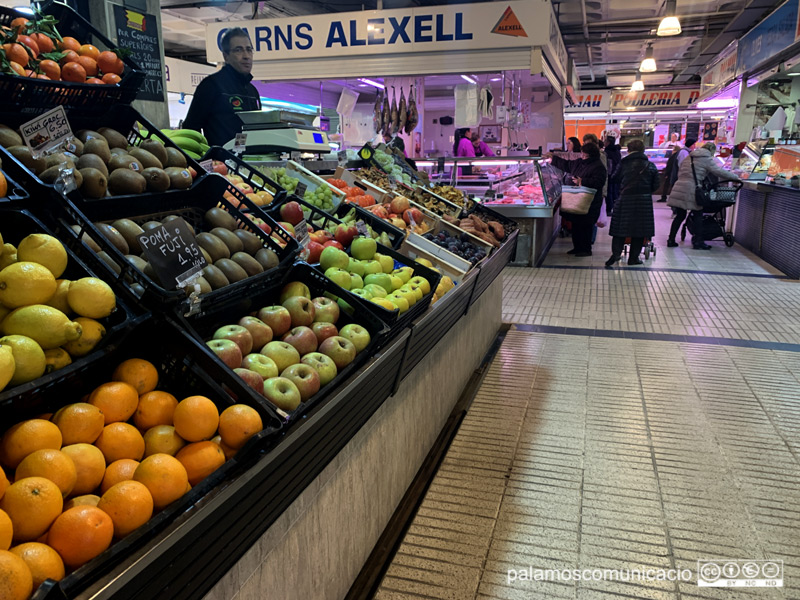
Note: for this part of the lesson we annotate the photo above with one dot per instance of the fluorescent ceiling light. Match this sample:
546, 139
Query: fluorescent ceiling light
788, 75
587, 115
719, 103
670, 25
500, 78
372, 83
468, 78
25, 10
649, 63
425, 163
492, 163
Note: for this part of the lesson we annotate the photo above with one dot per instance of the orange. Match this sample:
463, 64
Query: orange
69, 56
72, 71
42, 560
19, 24
27, 437
4, 483
89, 65
28, 42
32, 504
69, 43
81, 533
129, 504
79, 423
137, 372
200, 460
85, 500
90, 51
109, 62
227, 450
50, 464
196, 418
50, 68
155, 408
6, 530
118, 401
111, 79
164, 476
162, 439
16, 581
3, 186
95, 81
44, 42
90, 465
120, 440
237, 424
16, 53
17, 68
119, 470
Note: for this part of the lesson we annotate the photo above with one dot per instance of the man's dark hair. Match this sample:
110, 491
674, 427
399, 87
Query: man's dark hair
611, 141
591, 150
230, 34
690, 142
636, 146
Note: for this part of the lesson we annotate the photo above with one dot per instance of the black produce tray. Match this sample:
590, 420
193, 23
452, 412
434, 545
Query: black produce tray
203, 327
317, 215
491, 267
429, 329
125, 119
247, 172
34, 96
189, 204
480, 209
15, 191
26, 400
183, 371
396, 235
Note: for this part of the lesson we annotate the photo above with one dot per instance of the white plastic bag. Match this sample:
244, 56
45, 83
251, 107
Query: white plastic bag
467, 110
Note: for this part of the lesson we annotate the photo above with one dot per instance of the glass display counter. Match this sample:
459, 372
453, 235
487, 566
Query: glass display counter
754, 161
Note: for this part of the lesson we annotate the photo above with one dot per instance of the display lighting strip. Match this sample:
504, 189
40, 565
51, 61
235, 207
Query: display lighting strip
373, 83
425, 163
492, 163
468, 78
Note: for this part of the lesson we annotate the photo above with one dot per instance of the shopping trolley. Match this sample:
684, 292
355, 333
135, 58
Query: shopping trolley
723, 197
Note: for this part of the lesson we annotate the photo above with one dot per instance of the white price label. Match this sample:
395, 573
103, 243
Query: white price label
240, 143
46, 131
301, 233
208, 165
361, 227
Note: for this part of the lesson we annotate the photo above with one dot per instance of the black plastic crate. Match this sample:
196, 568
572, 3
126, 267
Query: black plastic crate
508, 224
125, 119
33, 96
26, 399
491, 267
396, 235
183, 371
316, 217
255, 178
191, 205
203, 327
14, 191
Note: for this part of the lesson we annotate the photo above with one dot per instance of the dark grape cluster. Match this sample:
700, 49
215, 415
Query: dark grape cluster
460, 246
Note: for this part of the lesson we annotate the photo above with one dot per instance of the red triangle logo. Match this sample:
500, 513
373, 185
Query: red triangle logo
509, 25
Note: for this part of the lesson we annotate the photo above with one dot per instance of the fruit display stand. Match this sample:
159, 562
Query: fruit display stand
312, 181
492, 266
350, 178
14, 191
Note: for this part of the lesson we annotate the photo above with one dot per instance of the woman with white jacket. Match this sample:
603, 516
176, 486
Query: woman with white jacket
682, 197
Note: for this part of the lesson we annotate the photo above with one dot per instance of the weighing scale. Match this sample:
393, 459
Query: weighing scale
276, 131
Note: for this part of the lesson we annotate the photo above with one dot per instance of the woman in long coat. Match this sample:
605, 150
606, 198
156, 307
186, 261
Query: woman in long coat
633, 210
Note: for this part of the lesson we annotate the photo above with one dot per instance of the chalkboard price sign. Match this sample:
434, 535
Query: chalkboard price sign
173, 252
138, 33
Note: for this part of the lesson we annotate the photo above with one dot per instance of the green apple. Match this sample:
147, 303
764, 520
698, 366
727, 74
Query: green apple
371, 267
333, 257
404, 273
366, 294
421, 282
356, 334
381, 279
356, 281
415, 289
376, 291
295, 288
397, 283
410, 296
400, 302
387, 262
344, 306
339, 277
356, 267
363, 248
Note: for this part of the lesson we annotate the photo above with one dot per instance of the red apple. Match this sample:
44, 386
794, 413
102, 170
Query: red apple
252, 379
227, 351
413, 213
219, 167
277, 318
288, 227
333, 243
325, 310
344, 234
238, 334
302, 338
305, 378
340, 350
314, 250
294, 288
301, 310
399, 205
282, 393
324, 330
260, 331
291, 212
318, 236
282, 354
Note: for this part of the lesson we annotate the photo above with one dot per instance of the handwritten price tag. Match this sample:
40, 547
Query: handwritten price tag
173, 252
300, 190
301, 233
46, 131
361, 227
208, 165
240, 143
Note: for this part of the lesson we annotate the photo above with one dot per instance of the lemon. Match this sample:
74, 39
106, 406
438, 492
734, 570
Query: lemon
8, 256
26, 283
59, 299
47, 326
424, 262
91, 334
45, 250
7, 365
56, 358
397, 282
29, 358
90, 297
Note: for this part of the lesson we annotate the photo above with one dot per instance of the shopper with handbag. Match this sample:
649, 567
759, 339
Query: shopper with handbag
588, 172
689, 188
633, 213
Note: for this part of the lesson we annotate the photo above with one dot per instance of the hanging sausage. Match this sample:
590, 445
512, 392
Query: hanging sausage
413, 115
403, 112
377, 117
395, 114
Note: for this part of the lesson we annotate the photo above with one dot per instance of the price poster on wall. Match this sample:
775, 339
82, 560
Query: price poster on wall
138, 33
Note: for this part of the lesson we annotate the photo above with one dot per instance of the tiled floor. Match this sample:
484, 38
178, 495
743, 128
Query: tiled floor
592, 450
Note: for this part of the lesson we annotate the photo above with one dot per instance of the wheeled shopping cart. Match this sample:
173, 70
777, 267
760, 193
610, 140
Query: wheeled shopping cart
715, 214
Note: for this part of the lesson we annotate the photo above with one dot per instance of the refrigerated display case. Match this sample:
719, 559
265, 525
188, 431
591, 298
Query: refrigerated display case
754, 161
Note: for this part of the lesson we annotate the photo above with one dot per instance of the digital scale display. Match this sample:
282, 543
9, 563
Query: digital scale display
318, 138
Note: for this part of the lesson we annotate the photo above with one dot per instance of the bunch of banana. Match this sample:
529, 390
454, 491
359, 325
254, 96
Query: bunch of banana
190, 141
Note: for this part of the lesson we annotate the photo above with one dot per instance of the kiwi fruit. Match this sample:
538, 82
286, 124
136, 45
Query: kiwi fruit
85, 135
86, 239
98, 146
217, 217
118, 151
51, 174
24, 155
215, 247
169, 218
231, 270
114, 138
114, 236
248, 263
9, 137
131, 232
205, 287
92, 161
250, 241
75, 146
76, 174
146, 158
137, 289
233, 243
95, 184
215, 278
175, 158
123, 182
151, 225
179, 179
157, 179
157, 149
124, 161
137, 261
151, 273
110, 262
267, 258
207, 256
59, 158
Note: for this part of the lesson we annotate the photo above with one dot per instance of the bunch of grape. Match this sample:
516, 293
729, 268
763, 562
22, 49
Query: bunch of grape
321, 197
384, 160
287, 182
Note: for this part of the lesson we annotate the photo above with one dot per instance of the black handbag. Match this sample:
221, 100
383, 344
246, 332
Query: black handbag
702, 191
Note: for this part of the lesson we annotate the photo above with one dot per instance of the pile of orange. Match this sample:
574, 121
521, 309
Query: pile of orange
32, 51
97, 470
